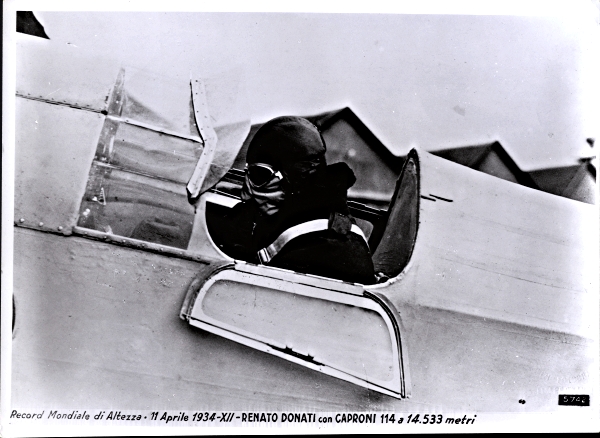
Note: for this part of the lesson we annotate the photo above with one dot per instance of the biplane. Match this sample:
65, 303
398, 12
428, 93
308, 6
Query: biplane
123, 299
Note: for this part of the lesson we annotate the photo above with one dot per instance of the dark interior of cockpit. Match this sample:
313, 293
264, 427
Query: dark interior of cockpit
391, 233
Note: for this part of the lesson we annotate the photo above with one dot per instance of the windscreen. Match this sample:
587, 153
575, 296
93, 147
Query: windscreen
147, 152
393, 251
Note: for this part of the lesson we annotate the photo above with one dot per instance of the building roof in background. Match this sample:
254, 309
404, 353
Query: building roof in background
569, 182
325, 120
574, 182
489, 158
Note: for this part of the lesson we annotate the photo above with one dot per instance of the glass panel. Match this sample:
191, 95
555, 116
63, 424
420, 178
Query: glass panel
160, 102
153, 153
395, 246
147, 153
348, 338
137, 206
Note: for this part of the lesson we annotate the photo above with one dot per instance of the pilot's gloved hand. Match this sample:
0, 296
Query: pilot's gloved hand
340, 223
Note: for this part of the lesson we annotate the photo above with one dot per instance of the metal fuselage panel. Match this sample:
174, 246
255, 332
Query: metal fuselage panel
97, 326
55, 146
486, 247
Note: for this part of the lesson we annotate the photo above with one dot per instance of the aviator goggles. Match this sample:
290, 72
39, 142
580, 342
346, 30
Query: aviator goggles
260, 174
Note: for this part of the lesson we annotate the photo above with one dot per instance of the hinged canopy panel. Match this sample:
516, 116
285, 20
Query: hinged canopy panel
325, 325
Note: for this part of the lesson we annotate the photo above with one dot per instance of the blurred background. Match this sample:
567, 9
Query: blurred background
516, 95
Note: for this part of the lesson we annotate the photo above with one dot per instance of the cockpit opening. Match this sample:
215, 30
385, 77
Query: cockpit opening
391, 234
294, 213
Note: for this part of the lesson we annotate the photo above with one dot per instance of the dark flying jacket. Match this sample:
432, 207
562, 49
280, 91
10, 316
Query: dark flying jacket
336, 252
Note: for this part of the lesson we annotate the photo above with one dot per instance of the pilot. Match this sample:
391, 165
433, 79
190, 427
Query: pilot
293, 213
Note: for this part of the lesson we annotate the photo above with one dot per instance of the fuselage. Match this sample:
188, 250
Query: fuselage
496, 291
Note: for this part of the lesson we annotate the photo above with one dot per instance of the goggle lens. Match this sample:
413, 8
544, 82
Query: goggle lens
260, 174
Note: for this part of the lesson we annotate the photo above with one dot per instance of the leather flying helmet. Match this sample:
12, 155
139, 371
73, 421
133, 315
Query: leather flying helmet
290, 145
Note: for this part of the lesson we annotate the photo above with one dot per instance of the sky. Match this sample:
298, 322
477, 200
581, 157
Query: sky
432, 81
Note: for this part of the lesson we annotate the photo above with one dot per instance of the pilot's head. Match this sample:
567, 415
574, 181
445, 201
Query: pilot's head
281, 158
